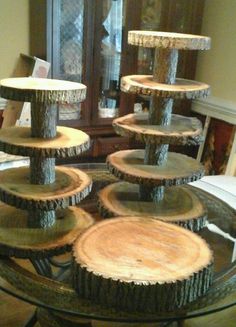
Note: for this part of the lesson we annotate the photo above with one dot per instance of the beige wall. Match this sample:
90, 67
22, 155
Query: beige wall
14, 33
218, 65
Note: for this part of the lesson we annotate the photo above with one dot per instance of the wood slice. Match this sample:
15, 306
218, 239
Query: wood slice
141, 264
179, 205
69, 142
70, 187
18, 240
181, 131
179, 169
182, 89
47, 91
167, 40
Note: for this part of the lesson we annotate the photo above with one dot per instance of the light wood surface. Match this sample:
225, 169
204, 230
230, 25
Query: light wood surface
181, 89
141, 264
167, 40
41, 90
179, 205
68, 142
70, 187
181, 131
18, 240
179, 169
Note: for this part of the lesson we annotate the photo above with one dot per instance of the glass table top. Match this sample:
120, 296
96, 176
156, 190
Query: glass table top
58, 295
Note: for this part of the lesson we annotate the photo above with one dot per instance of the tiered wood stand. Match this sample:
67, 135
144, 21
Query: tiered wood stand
38, 218
149, 174
142, 264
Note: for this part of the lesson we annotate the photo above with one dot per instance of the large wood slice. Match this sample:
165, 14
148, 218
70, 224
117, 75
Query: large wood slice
181, 89
141, 264
179, 169
167, 40
179, 205
70, 187
68, 142
18, 240
181, 131
43, 90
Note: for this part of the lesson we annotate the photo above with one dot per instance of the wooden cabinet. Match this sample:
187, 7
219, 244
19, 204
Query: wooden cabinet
86, 41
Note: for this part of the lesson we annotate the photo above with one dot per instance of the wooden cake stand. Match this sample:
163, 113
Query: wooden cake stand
149, 174
38, 218
142, 264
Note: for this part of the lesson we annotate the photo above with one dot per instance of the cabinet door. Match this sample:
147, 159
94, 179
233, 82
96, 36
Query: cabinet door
69, 51
111, 58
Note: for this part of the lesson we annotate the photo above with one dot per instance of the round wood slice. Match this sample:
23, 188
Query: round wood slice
181, 131
179, 206
179, 169
167, 40
182, 89
69, 142
141, 264
47, 91
18, 240
70, 187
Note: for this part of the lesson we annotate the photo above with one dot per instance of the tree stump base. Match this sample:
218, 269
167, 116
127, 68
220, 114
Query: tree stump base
141, 264
168, 40
68, 142
18, 240
181, 89
179, 205
70, 187
181, 131
179, 169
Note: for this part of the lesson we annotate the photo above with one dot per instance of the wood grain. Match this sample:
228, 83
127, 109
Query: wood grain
179, 205
181, 89
70, 187
41, 90
167, 40
179, 169
68, 142
181, 131
140, 264
18, 240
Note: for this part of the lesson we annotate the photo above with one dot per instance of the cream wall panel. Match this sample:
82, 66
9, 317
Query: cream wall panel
218, 65
14, 33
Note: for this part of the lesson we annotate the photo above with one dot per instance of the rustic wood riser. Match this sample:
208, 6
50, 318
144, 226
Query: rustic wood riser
137, 264
179, 205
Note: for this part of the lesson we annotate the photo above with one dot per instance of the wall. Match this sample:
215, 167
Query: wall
14, 33
217, 66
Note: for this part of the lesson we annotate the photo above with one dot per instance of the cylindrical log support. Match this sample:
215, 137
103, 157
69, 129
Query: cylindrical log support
165, 66
42, 170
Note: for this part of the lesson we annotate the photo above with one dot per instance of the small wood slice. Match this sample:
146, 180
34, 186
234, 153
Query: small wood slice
179, 169
181, 131
18, 240
179, 206
167, 40
182, 89
141, 264
71, 186
47, 91
69, 142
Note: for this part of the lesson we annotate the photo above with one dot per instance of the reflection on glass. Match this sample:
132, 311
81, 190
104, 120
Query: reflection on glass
111, 46
71, 50
150, 21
